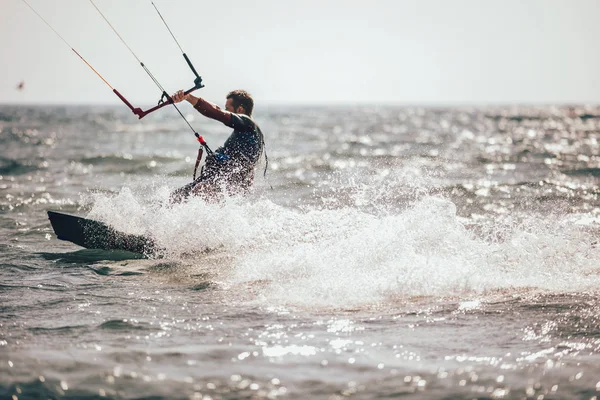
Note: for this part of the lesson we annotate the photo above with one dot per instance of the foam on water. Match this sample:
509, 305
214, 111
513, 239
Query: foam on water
345, 256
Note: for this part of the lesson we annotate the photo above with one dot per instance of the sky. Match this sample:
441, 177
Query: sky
306, 51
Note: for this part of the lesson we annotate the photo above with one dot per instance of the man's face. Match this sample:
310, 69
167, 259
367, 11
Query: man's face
229, 107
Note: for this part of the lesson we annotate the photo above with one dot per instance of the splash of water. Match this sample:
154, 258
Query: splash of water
346, 256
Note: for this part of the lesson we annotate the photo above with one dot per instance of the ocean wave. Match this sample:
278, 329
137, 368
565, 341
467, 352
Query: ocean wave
126, 325
14, 167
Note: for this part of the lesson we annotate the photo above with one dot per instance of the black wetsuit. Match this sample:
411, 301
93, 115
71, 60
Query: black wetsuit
231, 168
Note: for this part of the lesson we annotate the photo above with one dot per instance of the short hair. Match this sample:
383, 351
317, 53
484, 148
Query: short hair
241, 98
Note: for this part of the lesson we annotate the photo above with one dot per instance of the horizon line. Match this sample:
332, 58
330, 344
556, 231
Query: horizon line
337, 104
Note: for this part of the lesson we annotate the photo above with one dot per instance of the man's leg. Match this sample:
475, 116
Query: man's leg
181, 194
208, 185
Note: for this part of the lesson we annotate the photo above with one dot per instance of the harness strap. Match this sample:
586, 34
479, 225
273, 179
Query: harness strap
266, 158
198, 163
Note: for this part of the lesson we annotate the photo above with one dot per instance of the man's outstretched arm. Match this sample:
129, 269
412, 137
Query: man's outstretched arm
205, 108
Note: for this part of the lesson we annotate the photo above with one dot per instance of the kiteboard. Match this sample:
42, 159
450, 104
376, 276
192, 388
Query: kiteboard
93, 234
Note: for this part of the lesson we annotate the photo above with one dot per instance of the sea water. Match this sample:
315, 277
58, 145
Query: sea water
391, 251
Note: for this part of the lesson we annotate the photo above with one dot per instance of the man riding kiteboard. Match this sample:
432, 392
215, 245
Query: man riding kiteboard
230, 169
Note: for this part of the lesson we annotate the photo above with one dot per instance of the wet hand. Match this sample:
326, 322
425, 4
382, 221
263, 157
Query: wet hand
179, 96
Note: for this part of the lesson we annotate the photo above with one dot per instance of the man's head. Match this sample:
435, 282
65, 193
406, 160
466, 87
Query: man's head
239, 102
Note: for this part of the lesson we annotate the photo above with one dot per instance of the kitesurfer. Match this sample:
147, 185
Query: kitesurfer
230, 169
